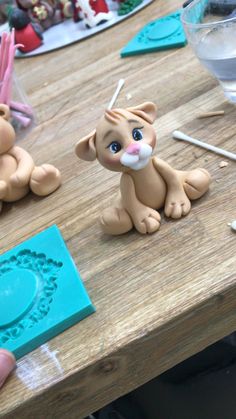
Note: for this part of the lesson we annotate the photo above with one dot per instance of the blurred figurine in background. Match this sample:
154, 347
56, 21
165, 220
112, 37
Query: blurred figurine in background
28, 35
66, 8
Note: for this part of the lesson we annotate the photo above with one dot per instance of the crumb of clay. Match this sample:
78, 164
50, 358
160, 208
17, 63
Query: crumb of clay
223, 164
128, 96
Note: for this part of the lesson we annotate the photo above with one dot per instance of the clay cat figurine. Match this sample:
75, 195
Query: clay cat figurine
18, 173
124, 141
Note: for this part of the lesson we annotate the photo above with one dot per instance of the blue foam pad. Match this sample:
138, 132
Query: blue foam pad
41, 292
163, 33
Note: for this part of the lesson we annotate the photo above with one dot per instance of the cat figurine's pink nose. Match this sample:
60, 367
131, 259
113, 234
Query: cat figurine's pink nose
133, 149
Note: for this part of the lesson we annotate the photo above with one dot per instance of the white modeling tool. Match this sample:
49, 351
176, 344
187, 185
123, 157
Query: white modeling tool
121, 83
181, 136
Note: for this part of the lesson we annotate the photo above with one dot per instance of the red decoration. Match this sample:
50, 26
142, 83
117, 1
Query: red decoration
28, 37
99, 6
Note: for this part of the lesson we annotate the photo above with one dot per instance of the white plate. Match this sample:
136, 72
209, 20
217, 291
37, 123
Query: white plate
68, 32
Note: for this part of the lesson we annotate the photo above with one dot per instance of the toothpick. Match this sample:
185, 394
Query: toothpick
121, 83
181, 136
209, 114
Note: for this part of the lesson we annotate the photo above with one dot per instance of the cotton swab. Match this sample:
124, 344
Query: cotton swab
181, 136
121, 83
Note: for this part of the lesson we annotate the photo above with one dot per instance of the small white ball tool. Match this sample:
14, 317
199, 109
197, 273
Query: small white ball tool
181, 136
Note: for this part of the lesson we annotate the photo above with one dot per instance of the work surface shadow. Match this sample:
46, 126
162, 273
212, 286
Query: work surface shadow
202, 387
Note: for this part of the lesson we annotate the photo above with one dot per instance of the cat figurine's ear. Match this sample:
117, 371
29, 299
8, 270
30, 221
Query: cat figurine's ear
85, 149
146, 111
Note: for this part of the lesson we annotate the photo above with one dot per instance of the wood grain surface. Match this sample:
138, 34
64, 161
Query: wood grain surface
159, 298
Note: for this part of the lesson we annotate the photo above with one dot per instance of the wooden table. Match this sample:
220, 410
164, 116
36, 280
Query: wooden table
159, 298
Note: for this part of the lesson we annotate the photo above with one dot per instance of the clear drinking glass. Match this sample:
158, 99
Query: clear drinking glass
210, 27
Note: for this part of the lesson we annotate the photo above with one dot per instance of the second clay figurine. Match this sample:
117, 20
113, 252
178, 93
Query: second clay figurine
18, 173
124, 141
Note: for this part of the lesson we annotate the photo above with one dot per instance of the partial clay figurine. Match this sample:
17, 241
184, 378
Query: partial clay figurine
123, 142
18, 173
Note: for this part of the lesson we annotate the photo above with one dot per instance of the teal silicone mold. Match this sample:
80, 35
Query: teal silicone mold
163, 33
41, 292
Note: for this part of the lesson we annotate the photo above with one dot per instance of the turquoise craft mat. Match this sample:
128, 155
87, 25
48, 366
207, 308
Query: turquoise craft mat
41, 292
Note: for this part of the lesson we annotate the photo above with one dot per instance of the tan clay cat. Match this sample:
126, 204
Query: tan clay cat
18, 173
123, 142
